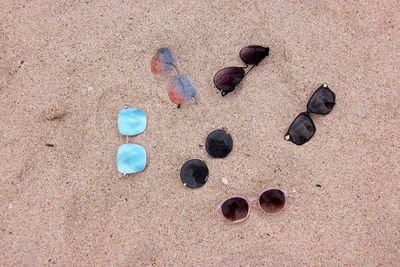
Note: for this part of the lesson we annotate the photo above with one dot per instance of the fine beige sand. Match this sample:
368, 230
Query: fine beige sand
68, 67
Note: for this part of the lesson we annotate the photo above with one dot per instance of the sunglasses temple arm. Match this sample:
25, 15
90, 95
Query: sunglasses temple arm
252, 67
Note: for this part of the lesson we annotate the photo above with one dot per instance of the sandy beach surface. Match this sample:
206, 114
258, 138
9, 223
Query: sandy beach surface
68, 67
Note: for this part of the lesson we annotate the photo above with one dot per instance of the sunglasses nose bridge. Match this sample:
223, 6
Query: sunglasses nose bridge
252, 200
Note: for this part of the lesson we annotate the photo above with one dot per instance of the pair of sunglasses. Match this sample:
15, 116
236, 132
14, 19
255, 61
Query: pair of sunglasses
194, 173
228, 78
131, 158
181, 91
302, 128
237, 209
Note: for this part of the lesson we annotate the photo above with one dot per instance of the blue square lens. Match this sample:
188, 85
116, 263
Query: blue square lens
131, 121
131, 158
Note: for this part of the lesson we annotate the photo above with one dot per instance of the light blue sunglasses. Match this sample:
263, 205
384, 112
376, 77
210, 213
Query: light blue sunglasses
131, 158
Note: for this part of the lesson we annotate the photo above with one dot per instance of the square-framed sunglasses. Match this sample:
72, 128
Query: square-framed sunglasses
302, 128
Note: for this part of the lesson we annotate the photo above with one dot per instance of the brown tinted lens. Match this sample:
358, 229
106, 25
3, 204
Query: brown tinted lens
322, 101
272, 200
235, 208
227, 79
253, 54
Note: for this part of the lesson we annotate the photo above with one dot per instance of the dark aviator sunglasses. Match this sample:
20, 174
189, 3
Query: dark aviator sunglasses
228, 78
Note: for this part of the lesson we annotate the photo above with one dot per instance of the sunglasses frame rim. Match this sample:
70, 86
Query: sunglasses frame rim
224, 92
323, 86
249, 201
290, 137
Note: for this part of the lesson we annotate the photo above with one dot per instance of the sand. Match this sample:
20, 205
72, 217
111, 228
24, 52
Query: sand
68, 67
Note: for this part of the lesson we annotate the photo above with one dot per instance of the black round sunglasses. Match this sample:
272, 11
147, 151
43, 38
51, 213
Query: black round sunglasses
194, 173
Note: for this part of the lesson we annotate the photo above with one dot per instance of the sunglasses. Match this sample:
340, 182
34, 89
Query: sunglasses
302, 128
194, 173
131, 158
180, 89
237, 209
228, 78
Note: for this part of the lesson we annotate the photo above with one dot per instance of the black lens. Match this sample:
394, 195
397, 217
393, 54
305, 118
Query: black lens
235, 208
194, 173
301, 130
322, 101
272, 200
219, 144
253, 54
228, 78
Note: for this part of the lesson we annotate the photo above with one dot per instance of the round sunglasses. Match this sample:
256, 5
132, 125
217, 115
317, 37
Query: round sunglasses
302, 128
228, 78
237, 209
194, 173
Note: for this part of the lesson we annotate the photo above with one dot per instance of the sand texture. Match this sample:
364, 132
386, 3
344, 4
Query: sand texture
68, 67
